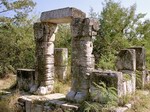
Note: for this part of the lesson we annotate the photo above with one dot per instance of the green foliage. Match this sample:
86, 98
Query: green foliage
126, 77
125, 100
107, 99
63, 37
107, 61
106, 95
17, 45
119, 28
16, 35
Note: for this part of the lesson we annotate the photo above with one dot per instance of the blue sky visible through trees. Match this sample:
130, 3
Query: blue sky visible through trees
84, 5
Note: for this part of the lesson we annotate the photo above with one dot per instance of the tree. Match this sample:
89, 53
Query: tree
118, 28
16, 35
17, 8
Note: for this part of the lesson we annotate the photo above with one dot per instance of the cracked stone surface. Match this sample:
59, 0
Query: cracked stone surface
82, 60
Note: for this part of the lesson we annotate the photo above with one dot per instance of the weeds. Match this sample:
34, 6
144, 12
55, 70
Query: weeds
60, 87
106, 98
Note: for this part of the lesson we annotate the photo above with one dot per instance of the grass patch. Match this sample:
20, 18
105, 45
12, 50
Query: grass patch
141, 100
61, 87
8, 102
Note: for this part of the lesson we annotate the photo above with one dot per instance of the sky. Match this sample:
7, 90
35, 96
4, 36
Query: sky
143, 6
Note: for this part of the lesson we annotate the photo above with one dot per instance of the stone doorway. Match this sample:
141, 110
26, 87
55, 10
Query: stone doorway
82, 60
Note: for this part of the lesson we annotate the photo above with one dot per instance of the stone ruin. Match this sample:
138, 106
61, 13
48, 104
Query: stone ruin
52, 62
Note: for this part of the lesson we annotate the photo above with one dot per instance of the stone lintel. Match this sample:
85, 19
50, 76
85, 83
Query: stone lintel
63, 15
22, 69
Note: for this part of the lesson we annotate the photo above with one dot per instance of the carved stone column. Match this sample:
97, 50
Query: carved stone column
82, 62
45, 37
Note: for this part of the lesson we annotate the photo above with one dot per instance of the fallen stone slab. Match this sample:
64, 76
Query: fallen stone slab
51, 102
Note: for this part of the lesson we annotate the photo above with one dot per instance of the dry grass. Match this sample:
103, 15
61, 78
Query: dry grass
6, 83
8, 103
141, 102
61, 87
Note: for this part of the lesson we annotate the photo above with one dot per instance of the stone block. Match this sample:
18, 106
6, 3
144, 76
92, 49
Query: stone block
140, 58
83, 28
124, 85
61, 72
49, 59
28, 106
48, 48
129, 87
47, 82
126, 60
25, 78
85, 46
45, 49
131, 76
88, 61
38, 108
110, 78
64, 15
61, 56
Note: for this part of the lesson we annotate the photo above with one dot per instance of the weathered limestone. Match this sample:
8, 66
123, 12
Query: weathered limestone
25, 78
140, 58
64, 15
126, 63
61, 62
140, 66
82, 61
126, 60
110, 78
44, 36
47, 103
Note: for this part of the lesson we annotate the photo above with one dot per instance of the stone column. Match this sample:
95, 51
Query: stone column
82, 60
140, 65
44, 36
126, 63
61, 62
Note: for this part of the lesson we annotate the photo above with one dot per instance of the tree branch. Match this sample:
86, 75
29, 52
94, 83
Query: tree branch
5, 10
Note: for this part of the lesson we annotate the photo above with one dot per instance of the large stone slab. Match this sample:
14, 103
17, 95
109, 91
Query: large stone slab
48, 103
63, 15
